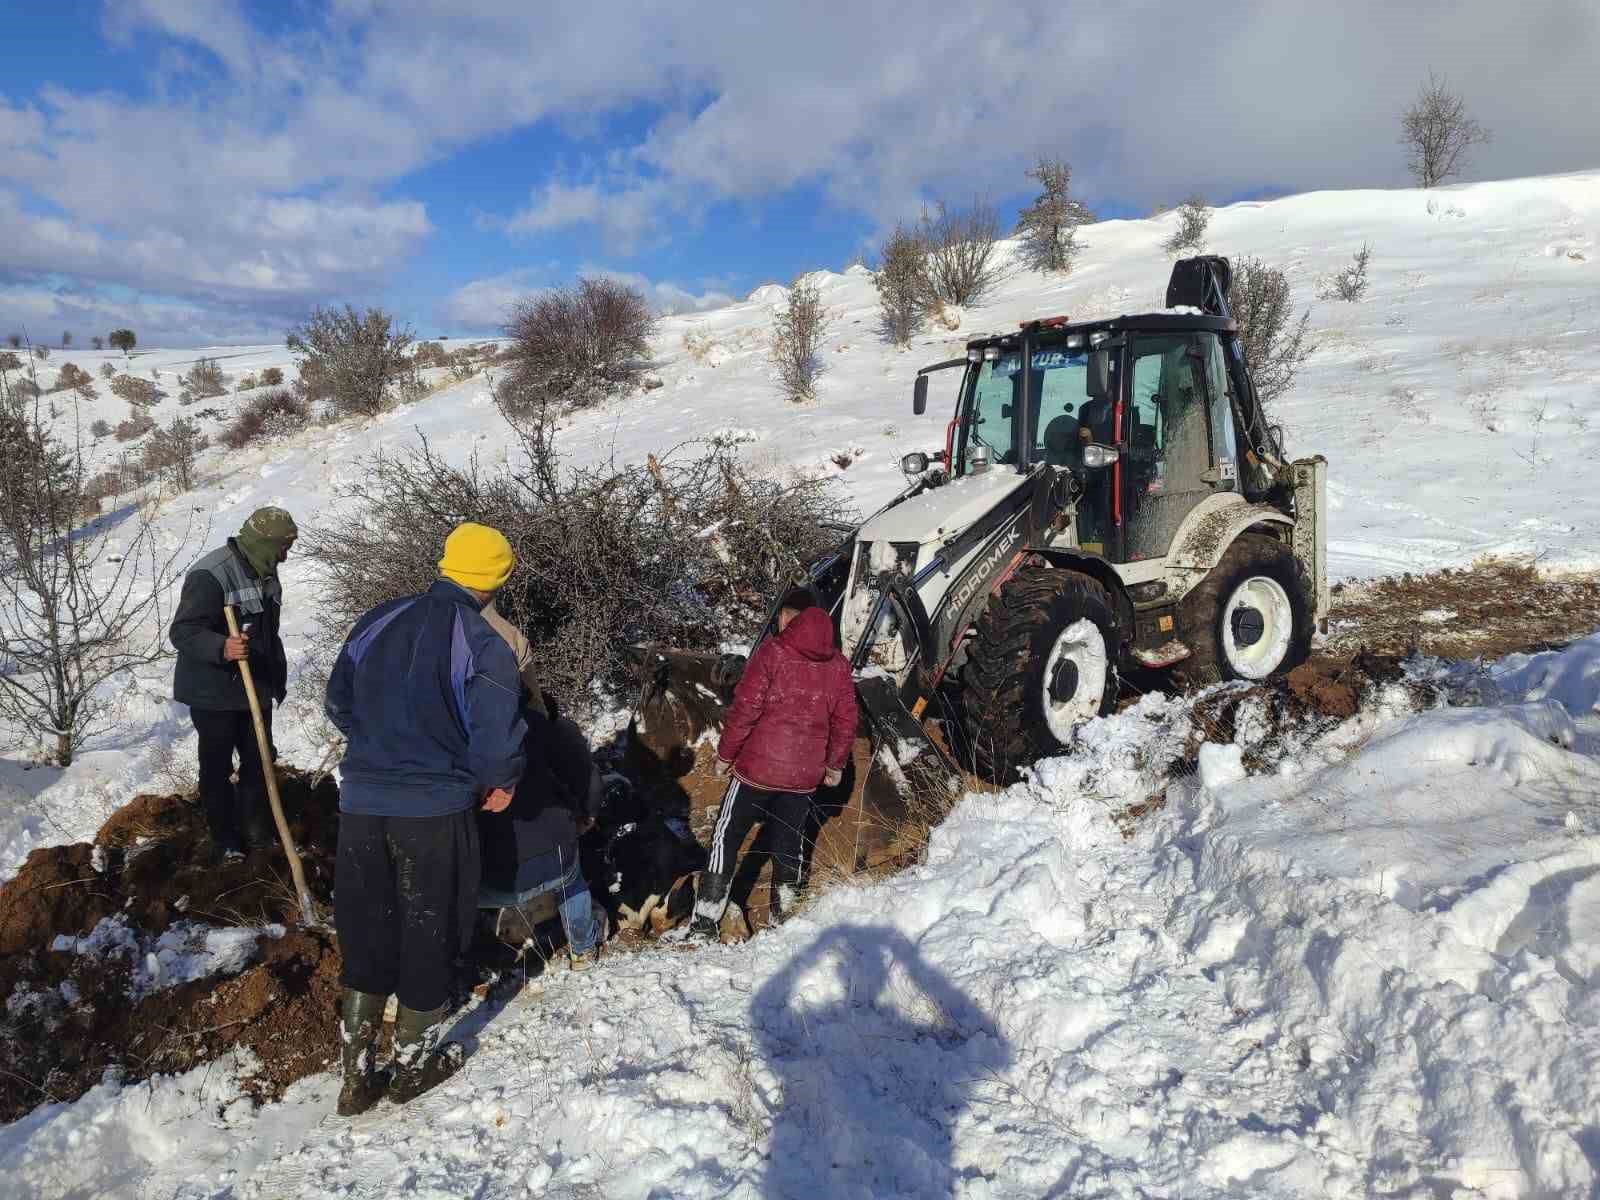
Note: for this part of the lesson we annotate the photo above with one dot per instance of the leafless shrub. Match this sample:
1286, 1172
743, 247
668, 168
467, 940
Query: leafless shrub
462, 366
902, 283
277, 413
271, 377
70, 376
797, 333
246, 383
101, 428
686, 548
577, 345
172, 450
27, 388
1437, 133
431, 354
1350, 282
203, 380
1274, 343
963, 266
137, 425
9, 362
73, 615
107, 371
136, 391
1193, 217
1048, 227
359, 362
14, 340
41, 352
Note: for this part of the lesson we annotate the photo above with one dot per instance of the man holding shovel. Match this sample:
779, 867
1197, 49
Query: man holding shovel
427, 695
242, 573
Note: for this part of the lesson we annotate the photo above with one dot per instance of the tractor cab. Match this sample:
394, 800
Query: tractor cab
1146, 415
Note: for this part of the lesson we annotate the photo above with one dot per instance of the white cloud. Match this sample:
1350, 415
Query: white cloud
484, 303
259, 167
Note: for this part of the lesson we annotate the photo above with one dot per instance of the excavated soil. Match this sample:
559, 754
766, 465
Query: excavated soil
1495, 607
69, 1018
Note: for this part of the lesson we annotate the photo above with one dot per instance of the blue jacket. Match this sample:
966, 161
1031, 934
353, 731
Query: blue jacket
427, 695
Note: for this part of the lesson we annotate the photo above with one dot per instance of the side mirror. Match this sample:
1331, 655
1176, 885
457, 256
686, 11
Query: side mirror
919, 395
914, 463
1096, 455
1098, 383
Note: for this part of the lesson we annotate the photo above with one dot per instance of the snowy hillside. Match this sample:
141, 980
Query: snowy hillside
1372, 971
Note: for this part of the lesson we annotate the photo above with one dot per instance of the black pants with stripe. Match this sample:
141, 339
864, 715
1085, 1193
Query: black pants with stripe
784, 814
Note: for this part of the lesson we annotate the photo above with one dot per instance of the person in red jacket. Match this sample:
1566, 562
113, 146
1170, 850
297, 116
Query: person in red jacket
790, 728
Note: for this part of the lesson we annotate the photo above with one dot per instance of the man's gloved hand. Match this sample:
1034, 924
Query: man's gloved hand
832, 776
723, 767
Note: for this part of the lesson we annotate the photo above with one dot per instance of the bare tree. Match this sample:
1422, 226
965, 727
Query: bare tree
684, 548
172, 451
1437, 133
963, 265
797, 333
1194, 215
577, 345
1048, 227
77, 609
1274, 343
357, 361
1349, 282
107, 371
98, 342
14, 340
203, 380
902, 281
124, 340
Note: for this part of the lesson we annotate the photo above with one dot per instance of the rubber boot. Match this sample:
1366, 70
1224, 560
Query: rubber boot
420, 1062
360, 1017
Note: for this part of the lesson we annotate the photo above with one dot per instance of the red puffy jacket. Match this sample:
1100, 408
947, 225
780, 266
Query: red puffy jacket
794, 712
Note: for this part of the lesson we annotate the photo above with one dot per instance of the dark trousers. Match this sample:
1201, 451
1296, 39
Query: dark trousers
234, 815
405, 892
785, 815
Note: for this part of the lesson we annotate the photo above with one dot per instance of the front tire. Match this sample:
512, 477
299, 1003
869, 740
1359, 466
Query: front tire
1044, 659
1249, 618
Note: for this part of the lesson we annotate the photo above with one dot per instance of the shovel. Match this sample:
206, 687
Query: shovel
308, 911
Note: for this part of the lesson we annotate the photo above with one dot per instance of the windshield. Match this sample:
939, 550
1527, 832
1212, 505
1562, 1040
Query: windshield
1061, 415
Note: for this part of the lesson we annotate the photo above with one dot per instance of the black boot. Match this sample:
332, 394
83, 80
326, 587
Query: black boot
420, 1062
360, 1015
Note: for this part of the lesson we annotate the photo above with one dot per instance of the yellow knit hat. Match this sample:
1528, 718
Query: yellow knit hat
477, 557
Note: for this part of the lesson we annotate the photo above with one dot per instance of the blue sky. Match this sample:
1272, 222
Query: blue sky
207, 170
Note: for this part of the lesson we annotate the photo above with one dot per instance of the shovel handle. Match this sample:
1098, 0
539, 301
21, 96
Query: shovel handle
308, 913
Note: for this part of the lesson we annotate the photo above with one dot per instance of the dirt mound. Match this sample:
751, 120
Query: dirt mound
1495, 607
75, 1008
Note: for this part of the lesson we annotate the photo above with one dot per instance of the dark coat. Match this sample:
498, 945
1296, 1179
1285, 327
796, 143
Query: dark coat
794, 712
201, 679
536, 838
427, 694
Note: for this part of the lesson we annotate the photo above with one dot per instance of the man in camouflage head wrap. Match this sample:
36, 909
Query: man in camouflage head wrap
243, 573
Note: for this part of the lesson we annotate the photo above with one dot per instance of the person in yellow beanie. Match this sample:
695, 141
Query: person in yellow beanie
427, 696
477, 557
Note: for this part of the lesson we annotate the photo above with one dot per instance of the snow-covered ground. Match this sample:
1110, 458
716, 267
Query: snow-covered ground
1375, 972
1370, 973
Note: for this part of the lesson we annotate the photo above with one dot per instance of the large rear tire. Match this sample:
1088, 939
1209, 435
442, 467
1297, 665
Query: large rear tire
1249, 618
1044, 659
